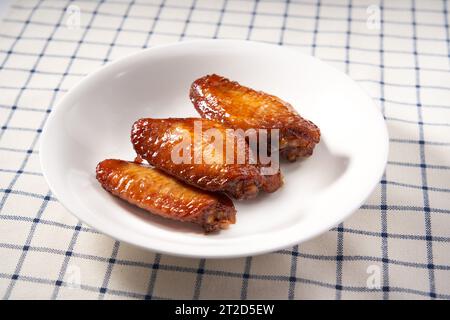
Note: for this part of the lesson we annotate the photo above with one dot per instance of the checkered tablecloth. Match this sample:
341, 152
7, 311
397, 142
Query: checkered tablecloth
397, 245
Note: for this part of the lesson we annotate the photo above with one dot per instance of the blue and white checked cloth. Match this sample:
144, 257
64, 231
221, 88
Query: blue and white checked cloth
396, 246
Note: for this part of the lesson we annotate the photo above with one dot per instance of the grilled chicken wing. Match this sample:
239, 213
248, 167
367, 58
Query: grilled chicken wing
163, 195
217, 98
199, 159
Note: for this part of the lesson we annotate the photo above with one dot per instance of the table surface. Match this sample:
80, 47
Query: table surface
397, 245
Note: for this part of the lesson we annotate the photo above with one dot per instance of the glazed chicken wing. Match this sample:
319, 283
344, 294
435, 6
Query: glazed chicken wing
199, 159
163, 195
217, 98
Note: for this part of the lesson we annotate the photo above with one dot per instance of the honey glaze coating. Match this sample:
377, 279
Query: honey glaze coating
217, 98
165, 196
156, 139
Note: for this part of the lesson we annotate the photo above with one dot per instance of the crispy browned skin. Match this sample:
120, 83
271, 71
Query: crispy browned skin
163, 195
217, 98
155, 139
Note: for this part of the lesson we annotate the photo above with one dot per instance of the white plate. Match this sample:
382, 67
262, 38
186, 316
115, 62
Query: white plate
92, 122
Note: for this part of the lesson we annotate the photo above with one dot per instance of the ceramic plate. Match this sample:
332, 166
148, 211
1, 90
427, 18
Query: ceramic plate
92, 122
